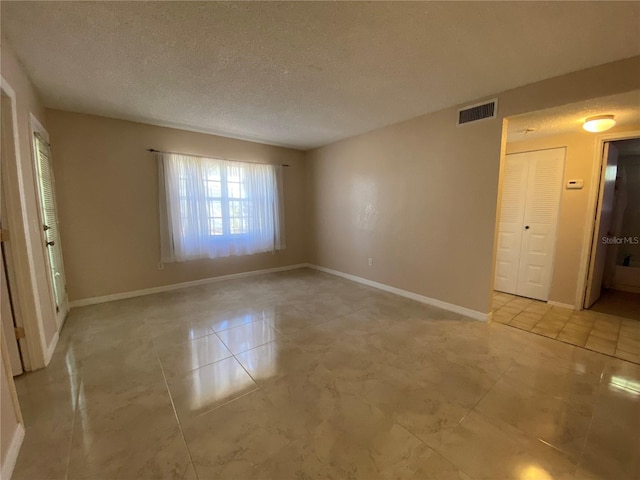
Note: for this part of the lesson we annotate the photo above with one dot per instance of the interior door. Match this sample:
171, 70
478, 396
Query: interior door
50, 226
514, 183
603, 222
7, 307
544, 187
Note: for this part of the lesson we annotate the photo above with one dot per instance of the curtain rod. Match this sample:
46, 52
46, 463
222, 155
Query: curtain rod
153, 150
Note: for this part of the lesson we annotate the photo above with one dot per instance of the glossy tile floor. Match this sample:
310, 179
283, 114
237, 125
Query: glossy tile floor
608, 334
302, 375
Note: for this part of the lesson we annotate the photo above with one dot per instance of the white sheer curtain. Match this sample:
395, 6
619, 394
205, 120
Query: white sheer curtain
216, 208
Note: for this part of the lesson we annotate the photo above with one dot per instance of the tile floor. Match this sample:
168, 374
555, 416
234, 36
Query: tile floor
608, 334
622, 304
302, 375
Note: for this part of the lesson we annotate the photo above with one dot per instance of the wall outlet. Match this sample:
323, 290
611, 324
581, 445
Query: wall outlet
160, 266
370, 261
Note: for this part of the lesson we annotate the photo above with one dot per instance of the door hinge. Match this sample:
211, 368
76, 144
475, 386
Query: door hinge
4, 235
19, 332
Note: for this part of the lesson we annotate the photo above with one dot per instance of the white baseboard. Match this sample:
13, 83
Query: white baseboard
467, 312
12, 453
177, 286
560, 304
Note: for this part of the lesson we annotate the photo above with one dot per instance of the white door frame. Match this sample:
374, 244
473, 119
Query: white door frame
14, 343
590, 241
11, 456
37, 127
24, 273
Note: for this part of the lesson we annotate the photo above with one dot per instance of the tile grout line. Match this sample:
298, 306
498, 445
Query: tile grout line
175, 412
233, 355
583, 448
487, 392
601, 395
573, 345
437, 451
410, 432
593, 414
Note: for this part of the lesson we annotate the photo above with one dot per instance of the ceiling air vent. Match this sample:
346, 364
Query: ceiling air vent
481, 111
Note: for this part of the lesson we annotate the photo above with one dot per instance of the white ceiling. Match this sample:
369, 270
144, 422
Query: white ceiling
569, 118
302, 74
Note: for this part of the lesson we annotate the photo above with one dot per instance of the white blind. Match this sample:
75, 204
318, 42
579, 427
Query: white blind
50, 217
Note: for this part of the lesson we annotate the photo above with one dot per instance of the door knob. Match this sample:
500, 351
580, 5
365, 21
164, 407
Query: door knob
51, 243
526, 227
46, 227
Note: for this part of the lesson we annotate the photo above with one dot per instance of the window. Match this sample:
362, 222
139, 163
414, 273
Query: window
216, 208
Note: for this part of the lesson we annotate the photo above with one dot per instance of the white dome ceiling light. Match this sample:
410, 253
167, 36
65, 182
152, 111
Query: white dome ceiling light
599, 123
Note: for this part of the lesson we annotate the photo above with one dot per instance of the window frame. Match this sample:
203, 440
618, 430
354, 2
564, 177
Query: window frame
225, 204
251, 192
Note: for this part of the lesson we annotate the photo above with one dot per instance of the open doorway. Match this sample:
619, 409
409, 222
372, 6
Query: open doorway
613, 284
556, 259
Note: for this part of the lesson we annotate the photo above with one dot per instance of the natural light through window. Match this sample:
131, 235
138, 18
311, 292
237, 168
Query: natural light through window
216, 208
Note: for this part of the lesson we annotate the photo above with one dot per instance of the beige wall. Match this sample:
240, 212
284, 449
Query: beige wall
107, 193
574, 220
420, 196
36, 302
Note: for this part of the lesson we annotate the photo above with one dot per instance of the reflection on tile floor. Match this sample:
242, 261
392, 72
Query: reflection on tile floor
608, 334
305, 375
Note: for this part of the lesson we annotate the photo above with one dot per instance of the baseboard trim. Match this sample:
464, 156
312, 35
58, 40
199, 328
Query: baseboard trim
12, 453
560, 304
476, 315
177, 286
467, 312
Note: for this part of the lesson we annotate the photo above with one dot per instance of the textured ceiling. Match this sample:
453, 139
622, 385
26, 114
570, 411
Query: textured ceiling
302, 74
569, 118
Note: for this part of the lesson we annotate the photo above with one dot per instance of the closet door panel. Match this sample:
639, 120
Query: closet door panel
544, 187
514, 187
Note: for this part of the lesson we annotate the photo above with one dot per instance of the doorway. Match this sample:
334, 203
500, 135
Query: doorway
531, 187
11, 320
49, 220
613, 283
561, 317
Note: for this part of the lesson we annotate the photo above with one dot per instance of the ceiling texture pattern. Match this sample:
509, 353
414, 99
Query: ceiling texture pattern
570, 118
302, 74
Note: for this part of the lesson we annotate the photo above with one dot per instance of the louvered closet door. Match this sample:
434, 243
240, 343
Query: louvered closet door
514, 183
544, 187
531, 188
50, 226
